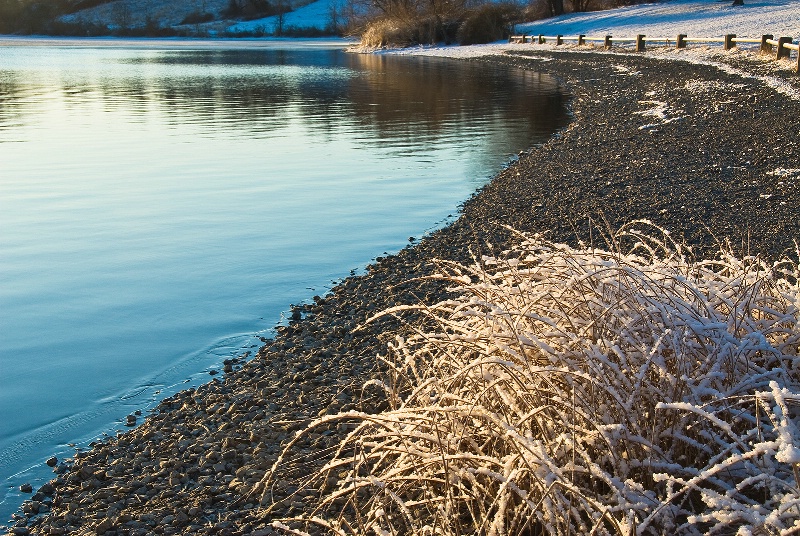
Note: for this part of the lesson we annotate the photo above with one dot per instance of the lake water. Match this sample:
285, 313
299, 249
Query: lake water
161, 205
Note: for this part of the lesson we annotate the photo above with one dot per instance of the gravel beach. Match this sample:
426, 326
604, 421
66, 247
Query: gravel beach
706, 153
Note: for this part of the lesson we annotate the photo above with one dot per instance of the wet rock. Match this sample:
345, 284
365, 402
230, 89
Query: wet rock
52, 461
104, 526
26, 488
31, 508
181, 518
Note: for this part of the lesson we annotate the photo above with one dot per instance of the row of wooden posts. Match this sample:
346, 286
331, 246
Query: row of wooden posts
784, 45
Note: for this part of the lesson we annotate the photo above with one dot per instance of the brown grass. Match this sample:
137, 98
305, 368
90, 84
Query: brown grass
626, 390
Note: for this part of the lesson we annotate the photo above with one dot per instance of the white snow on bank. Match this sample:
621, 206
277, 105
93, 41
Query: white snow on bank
698, 18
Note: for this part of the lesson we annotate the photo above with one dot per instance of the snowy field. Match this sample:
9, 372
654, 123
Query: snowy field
697, 18
314, 15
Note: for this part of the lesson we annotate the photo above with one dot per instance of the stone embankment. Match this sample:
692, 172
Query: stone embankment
709, 155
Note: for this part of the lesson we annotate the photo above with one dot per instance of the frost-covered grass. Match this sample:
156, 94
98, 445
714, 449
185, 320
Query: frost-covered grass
626, 390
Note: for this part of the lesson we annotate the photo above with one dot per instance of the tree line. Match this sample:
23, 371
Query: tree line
37, 16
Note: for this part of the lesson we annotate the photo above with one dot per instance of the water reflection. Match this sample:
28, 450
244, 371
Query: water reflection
157, 204
258, 92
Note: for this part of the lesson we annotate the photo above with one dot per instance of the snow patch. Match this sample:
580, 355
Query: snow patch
703, 87
660, 111
783, 173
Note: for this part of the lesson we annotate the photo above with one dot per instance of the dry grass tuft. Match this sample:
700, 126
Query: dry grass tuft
387, 32
401, 32
581, 391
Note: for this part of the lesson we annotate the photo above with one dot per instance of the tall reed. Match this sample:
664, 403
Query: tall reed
626, 390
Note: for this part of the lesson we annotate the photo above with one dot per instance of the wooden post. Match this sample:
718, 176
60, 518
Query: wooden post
640, 43
541, 39
524, 39
607, 43
766, 48
581, 39
797, 67
559, 39
729, 44
681, 41
783, 52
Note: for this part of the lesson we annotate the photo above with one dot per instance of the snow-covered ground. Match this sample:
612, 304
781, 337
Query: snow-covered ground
697, 18
317, 14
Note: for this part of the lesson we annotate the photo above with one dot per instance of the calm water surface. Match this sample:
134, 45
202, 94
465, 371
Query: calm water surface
160, 206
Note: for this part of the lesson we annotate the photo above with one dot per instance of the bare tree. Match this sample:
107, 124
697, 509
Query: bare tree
122, 15
338, 17
283, 8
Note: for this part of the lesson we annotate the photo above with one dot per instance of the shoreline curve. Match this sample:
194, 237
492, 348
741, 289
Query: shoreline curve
694, 148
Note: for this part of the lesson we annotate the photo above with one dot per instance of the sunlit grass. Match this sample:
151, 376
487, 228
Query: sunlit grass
626, 390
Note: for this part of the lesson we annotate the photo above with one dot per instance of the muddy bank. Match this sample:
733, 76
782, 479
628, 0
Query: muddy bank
694, 149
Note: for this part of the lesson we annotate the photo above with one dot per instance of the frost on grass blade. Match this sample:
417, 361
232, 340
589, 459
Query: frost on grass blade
562, 390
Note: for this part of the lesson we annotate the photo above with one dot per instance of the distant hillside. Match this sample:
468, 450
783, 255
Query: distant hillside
155, 18
122, 14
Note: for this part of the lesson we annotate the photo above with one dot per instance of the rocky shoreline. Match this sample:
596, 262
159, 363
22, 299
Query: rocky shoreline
709, 155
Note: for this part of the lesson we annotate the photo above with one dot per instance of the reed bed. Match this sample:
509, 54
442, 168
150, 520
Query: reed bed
628, 389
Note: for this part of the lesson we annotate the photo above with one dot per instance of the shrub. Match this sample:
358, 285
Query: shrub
577, 391
197, 17
487, 23
404, 32
307, 31
80, 29
233, 10
388, 32
73, 7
